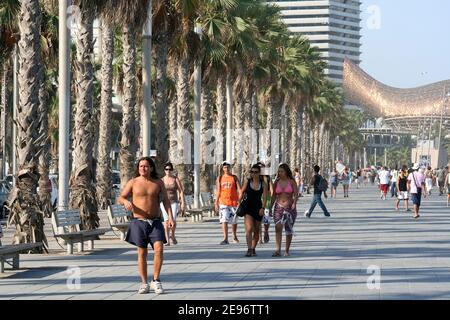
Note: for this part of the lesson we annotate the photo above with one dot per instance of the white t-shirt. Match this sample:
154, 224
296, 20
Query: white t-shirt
384, 176
394, 175
419, 179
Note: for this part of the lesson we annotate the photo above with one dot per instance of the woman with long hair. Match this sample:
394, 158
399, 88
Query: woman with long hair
284, 212
176, 196
253, 191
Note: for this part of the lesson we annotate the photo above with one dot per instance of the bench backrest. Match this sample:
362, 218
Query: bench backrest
189, 200
66, 221
206, 199
118, 214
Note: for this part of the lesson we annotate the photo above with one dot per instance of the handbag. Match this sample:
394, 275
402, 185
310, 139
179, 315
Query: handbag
240, 211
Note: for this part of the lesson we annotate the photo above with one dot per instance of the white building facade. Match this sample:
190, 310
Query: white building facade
333, 26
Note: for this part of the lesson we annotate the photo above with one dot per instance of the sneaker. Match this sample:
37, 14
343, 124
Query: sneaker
328, 215
249, 253
144, 288
224, 242
157, 286
307, 214
254, 253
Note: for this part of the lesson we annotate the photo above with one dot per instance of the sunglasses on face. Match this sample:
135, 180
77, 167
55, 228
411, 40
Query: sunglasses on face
168, 169
256, 172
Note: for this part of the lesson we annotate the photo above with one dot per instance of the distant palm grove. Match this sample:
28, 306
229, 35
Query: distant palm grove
248, 59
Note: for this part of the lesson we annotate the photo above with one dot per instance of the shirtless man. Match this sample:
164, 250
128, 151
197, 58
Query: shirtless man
146, 227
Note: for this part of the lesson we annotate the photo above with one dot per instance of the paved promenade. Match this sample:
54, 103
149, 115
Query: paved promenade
329, 259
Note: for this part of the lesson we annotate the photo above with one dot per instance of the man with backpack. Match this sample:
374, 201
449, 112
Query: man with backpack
320, 185
227, 197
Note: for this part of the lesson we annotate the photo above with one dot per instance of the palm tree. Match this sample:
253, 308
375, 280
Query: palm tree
25, 212
49, 39
104, 181
82, 190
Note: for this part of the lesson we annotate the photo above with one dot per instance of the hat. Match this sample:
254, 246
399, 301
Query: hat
416, 166
226, 163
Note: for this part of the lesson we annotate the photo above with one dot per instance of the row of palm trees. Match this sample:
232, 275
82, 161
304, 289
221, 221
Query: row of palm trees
249, 61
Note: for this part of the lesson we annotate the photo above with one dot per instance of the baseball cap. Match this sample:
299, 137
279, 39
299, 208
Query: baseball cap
416, 166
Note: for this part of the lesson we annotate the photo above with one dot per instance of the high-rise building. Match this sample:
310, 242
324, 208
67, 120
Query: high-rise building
333, 26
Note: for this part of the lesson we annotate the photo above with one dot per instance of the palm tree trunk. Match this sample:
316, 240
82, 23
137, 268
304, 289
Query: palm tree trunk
247, 127
128, 141
44, 157
24, 204
162, 119
206, 124
221, 118
239, 143
173, 119
294, 138
82, 190
104, 181
255, 127
4, 107
184, 122
299, 132
268, 139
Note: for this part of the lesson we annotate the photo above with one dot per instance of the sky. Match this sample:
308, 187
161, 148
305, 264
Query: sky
406, 43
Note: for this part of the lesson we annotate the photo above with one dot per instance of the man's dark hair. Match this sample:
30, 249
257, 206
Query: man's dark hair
153, 173
316, 169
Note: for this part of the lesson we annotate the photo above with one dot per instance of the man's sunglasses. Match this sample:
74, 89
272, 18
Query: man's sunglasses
168, 169
254, 171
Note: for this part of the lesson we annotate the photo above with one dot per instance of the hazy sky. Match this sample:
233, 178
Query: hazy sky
409, 45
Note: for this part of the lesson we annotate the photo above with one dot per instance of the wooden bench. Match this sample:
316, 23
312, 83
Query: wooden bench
66, 225
13, 251
207, 203
195, 214
119, 219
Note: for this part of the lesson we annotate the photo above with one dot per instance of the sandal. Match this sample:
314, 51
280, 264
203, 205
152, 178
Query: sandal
286, 254
276, 254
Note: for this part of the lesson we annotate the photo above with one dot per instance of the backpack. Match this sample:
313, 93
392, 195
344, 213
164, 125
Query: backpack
323, 184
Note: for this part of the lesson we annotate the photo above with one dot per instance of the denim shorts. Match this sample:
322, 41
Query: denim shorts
143, 232
416, 198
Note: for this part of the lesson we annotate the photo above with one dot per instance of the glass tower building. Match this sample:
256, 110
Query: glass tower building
333, 26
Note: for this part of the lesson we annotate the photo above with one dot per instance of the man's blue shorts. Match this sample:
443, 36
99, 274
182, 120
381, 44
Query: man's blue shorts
141, 232
416, 198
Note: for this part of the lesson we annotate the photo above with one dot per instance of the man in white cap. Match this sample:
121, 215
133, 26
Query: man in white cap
416, 184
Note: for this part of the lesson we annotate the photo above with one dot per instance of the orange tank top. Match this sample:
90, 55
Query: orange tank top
228, 191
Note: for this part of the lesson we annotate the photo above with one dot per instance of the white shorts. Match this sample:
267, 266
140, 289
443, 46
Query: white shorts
227, 214
175, 207
403, 195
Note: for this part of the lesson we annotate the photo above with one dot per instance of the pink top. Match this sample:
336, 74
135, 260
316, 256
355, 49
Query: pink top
287, 189
419, 179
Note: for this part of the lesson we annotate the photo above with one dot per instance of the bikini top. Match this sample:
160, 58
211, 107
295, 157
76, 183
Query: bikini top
287, 189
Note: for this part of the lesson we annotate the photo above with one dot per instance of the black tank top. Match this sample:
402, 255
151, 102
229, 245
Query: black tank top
253, 200
402, 184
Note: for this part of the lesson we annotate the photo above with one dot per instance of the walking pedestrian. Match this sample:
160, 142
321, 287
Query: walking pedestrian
416, 187
402, 188
345, 180
384, 177
441, 180
429, 180
254, 191
334, 182
447, 186
266, 219
146, 227
394, 178
176, 197
228, 192
285, 212
359, 178
298, 178
319, 184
